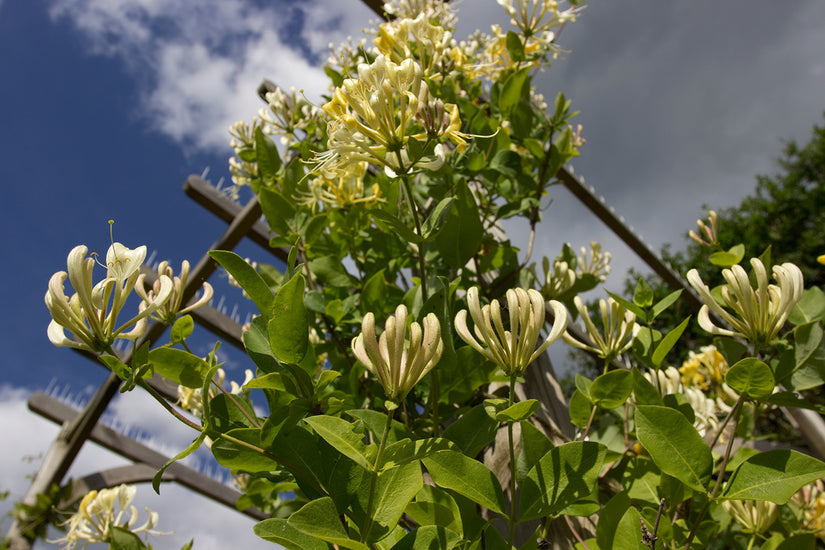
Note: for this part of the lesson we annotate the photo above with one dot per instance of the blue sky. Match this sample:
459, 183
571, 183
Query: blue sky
107, 106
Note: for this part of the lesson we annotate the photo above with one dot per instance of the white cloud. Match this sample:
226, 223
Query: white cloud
183, 514
198, 66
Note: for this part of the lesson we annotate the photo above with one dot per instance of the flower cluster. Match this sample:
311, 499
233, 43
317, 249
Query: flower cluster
705, 408
597, 263
810, 500
705, 369
758, 313
620, 329
99, 512
173, 307
399, 363
558, 280
513, 347
191, 399
287, 114
755, 516
243, 170
340, 189
91, 313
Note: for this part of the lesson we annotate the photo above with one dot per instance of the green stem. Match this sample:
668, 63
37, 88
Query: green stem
735, 415
374, 476
513, 503
422, 268
234, 400
159, 398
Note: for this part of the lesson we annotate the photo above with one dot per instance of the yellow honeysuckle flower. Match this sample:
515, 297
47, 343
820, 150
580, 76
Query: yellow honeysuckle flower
399, 363
758, 312
620, 329
91, 313
514, 348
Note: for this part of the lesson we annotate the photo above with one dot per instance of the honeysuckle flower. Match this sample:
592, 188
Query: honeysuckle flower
436, 11
512, 348
243, 172
341, 188
537, 16
172, 308
620, 329
558, 280
710, 230
91, 313
598, 263
399, 363
755, 516
430, 45
370, 115
810, 499
287, 114
758, 313
705, 369
99, 511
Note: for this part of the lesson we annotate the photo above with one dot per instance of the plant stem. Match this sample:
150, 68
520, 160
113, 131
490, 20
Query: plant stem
422, 268
513, 503
374, 479
159, 398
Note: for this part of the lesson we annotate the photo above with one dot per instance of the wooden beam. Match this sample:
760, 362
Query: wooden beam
130, 449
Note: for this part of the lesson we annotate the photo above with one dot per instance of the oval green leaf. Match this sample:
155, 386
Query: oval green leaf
611, 389
675, 445
751, 377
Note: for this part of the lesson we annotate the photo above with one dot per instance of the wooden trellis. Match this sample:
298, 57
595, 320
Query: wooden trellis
245, 222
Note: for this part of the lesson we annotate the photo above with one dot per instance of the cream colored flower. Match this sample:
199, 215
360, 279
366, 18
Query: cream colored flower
91, 313
99, 511
399, 363
191, 399
755, 516
758, 313
598, 263
620, 329
172, 308
558, 280
512, 348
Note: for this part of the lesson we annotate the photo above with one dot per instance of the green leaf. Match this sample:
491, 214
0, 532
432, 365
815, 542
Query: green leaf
751, 377
279, 531
675, 445
182, 329
394, 489
342, 435
236, 455
611, 389
809, 357
534, 445
319, 519
564, 475
289, 327
729, 258
181, 455
467, 477
583, 384
435, 221
388, 222
123, 539
580, 409
811, 307
462, 232
520, 411
514, 46
434, 506
407, 450
278, 211
619, 527
668, 342
643, 294
179, 366
644, 390
249, 279
473, 431
513, 89
663, 304
269, 161
773, 475
429, 537
116, 366
375, 422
